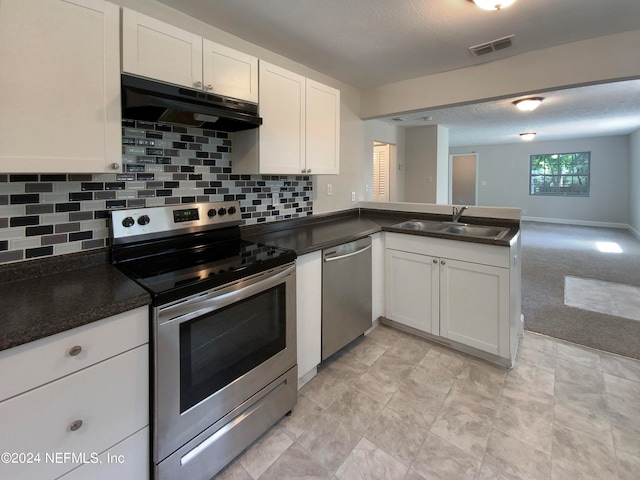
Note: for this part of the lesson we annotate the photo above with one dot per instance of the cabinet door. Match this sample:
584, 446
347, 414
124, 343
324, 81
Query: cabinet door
229, 72
322, 129
157, 50
308, 311
412, 290
282, 108
474, 305
60, 95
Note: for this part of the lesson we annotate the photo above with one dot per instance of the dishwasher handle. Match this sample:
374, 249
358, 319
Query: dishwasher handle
340, 257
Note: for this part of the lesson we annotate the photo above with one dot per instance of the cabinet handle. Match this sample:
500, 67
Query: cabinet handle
304, 171
115, 166
209, 87
308, 170
75, 425
435, 260
198, 84
74, 351
442, 262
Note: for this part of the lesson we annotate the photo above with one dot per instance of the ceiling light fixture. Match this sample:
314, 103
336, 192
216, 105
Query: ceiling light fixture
528, 104
492, 4
528, 136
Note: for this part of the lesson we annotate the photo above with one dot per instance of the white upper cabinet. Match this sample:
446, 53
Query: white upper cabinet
282, 108
60, 95
322, 128
155, 49
229, 72
300, 133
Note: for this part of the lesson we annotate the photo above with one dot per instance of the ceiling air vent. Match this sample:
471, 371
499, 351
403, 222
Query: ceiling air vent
492, 46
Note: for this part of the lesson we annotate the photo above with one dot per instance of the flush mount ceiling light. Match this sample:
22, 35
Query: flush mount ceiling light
528, 136
492, 4
528, 104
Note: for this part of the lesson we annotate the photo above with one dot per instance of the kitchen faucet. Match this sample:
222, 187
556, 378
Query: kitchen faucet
457, 213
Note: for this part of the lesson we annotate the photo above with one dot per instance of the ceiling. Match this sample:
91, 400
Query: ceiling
368, 43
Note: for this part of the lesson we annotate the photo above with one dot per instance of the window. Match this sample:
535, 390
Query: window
560, 174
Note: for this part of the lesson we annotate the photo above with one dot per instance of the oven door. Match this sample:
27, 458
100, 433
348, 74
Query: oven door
216, 350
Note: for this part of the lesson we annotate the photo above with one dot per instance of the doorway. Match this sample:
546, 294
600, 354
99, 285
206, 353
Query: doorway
463, 170
383, 164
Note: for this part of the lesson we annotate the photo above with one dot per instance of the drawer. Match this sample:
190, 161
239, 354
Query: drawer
128, 460
33, 364
111, 399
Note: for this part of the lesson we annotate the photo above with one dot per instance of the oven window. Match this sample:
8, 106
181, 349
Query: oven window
221, 346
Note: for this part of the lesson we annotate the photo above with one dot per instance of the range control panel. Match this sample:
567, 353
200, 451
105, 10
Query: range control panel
174, 219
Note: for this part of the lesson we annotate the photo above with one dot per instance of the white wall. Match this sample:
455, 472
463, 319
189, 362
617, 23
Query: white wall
634, 182
505, 169
421, 164
427, 164
586, 62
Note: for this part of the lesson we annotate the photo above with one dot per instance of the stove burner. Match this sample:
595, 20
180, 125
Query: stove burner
174, 258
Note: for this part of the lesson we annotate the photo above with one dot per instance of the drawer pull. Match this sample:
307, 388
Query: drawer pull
74, 351
75, 425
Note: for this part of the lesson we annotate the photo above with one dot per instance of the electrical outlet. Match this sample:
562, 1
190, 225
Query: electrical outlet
353, 196
329, 189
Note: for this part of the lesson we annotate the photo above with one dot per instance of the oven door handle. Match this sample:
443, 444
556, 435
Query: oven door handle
184, 311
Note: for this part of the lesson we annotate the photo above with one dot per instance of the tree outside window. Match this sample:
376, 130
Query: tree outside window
560, 174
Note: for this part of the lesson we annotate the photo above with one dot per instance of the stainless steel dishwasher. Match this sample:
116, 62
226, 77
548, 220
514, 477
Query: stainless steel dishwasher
346, 294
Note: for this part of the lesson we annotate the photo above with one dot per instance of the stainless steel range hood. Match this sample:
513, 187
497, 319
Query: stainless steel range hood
153, 101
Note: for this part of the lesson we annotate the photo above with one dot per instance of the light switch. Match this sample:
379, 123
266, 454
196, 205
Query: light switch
329, 189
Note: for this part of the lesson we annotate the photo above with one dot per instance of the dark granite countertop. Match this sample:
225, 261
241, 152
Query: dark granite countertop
317, 232
43, 297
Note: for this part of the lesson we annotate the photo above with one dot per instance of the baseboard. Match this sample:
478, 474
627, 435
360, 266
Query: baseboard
585, 223
634, 232
302, 381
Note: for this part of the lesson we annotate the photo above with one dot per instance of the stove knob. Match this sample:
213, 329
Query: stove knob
144, 220
232, 210
128, 222
212, 212
222, 211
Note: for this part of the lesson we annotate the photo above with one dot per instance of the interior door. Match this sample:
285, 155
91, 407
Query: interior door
463, 179
381, 159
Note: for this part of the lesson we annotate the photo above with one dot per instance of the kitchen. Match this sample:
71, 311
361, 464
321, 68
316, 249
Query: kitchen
107, 189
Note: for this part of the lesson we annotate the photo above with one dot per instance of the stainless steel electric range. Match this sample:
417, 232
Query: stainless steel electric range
223, 329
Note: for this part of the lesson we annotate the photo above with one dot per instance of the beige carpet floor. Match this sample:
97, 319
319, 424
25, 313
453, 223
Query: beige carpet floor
550, 252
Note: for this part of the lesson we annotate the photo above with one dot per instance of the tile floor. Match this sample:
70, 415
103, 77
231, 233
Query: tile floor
393, 406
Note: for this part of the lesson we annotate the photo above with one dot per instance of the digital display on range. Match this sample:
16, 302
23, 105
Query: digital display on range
186, 215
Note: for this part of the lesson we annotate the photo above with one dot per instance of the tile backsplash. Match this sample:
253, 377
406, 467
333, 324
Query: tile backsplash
55, 214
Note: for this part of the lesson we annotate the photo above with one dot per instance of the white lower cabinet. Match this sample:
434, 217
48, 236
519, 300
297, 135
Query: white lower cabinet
117, 461
90, 417
412, 290
474, 305
377, 276
459, 291
308, 314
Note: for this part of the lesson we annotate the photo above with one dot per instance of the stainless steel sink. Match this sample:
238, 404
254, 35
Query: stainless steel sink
423, 225
454, 228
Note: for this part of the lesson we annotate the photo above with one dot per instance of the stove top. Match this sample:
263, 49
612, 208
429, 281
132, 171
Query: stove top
176, 252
